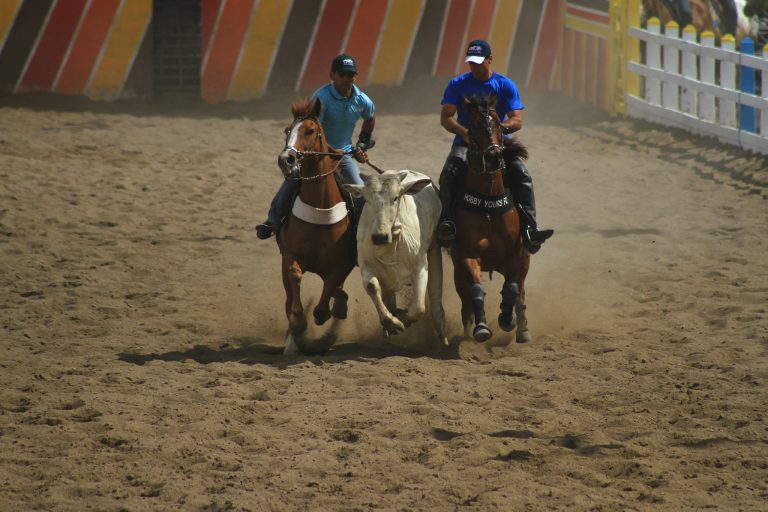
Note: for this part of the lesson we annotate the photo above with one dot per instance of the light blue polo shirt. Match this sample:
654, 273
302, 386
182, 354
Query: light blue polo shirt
339, 114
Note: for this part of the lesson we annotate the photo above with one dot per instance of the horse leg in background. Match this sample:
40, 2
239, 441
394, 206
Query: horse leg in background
297, 321
332, 284
522, 335
435, 293
391, 324
473, 298
510, 295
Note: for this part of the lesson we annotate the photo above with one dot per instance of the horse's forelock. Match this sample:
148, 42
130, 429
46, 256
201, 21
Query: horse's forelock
302, 108
479, 102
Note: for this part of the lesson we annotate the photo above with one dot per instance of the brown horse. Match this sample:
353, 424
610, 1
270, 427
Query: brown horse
488, 227
318, 236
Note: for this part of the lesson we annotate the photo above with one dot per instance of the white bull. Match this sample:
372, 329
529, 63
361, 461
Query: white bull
396, 246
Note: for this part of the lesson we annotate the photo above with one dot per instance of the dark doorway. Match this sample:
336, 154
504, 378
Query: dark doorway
176, 37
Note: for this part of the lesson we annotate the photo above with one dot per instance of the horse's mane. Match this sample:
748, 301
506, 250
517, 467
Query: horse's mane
302, 108
486, 101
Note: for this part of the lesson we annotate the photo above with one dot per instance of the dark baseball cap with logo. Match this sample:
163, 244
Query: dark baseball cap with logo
477, 51
344, 63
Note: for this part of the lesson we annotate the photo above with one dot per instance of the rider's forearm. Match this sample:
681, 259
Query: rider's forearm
452, 126
368, 125
512, 125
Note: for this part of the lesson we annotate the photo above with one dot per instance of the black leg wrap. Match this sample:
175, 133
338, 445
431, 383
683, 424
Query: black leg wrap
478, 302
510, 293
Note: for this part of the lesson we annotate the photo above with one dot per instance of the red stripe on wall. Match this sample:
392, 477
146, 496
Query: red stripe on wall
224, 50
603, 95
479, 28
209, 10
569, 52
329, 35
549, 39
86, 47
453, 37
52, 46
366, 29
580, 65
592, 78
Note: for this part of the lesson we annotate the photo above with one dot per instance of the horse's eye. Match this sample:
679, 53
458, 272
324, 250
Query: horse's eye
309, 132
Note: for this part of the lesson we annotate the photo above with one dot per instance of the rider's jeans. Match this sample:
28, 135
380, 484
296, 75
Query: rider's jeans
350, 173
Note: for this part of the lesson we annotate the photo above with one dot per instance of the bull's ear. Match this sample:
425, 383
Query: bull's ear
412, 182
318, 107
354, 189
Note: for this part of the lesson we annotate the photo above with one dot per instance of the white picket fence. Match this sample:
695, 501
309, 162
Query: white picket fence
692, 85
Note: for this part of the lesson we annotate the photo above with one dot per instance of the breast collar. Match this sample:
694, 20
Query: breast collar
491, 205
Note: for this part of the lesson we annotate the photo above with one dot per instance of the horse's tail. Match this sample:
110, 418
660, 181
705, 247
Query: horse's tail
517, 148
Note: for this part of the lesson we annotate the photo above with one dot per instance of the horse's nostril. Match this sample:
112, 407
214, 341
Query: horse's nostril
290, 159
379, 239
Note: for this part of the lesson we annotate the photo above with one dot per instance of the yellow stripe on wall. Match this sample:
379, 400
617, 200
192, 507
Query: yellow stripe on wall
588, 27
8, 10
503, 33
260, 48
395, 41
121, 47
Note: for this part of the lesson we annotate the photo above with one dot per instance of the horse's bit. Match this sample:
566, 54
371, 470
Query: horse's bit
489, 121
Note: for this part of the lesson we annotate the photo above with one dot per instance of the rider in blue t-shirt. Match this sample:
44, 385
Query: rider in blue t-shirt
482, 80
343, 103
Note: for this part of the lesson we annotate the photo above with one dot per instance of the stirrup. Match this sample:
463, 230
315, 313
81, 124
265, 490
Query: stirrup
264, 230
533, 238
446, 233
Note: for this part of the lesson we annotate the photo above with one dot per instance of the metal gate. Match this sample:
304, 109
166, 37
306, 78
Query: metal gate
176, 37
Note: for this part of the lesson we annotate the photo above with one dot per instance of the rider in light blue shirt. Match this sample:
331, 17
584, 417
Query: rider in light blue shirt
343, 104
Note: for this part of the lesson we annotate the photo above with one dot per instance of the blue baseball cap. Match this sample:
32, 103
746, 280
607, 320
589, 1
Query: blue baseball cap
477, 51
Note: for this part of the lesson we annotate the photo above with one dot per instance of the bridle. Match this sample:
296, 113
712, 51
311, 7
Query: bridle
300, 155
491, 120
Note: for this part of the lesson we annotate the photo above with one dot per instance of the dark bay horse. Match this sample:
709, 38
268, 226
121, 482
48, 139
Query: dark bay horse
488, 227
318, 236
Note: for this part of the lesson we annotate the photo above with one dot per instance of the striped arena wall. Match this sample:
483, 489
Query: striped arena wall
79, 47
248, 48
584, 71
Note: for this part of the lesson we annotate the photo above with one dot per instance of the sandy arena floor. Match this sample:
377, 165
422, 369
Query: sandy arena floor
141, 324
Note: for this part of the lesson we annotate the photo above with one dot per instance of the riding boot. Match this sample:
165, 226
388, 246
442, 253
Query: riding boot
449, 178
278, 209
446, 227
518, 180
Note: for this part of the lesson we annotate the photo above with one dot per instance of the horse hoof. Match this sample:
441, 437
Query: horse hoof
523, 337
507, 324
321, 318
481, 333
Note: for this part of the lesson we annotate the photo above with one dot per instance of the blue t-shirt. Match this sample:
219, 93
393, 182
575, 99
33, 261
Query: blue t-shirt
507, 96
339, 114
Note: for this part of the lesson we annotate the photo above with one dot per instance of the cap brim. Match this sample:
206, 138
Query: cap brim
477, 59
345, 69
